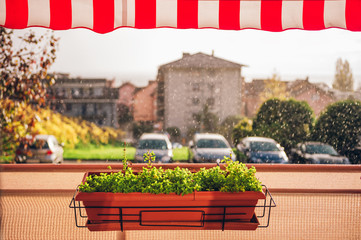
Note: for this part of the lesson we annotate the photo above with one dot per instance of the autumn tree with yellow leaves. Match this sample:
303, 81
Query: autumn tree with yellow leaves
274, 88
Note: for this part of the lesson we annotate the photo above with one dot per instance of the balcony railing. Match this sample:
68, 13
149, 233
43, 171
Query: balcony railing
313, 202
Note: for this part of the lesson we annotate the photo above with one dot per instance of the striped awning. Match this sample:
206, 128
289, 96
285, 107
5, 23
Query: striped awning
104, 16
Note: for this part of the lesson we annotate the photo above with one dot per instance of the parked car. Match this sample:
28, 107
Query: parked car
354, 155
41, 148
208, 147
154, 142
316, 153
262, 150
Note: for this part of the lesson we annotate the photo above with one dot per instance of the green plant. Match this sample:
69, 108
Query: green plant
227, 126
241, 130
174, 133
287, 121
236, 177
149, 157
340, 125
239, 178
141, 127
24, 63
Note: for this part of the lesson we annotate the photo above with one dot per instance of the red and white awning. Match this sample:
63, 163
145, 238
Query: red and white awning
104, 16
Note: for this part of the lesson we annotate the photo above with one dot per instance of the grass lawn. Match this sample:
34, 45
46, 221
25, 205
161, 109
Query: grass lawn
99, 153
114, 153
6, 159
180, 154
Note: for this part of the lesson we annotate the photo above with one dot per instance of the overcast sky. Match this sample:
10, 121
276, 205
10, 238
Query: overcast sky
135, 55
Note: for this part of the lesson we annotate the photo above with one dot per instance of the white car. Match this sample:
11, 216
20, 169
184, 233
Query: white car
210, 147
43, 149
154, 142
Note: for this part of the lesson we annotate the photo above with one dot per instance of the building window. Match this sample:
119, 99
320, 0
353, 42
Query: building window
196, 86
98, 92
75, 92
68, 106
59, 92
65, 93
90, 108
83, 109
211, 87
195, 101
210, 102
315, 97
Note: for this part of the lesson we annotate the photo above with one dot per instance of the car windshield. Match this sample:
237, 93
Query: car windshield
320, 149
39, 144
211, 143
264, 147
152, 144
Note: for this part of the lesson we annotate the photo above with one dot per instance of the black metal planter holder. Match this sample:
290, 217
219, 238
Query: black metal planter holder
266, 205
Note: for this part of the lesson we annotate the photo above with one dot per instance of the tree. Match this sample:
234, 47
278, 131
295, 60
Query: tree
174, 133
142, 127
124, 114
340, 125
287, 121
343, 80
206, 121
227, 126
274, 88
23, 80
241, 130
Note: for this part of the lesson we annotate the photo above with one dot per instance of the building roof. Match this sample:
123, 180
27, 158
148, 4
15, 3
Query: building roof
201, 60
150, 83
81, 80
127, 84
301, 85
255, 87
295, 87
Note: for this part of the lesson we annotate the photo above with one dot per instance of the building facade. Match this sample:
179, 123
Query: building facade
301, 90
126, 94
94, 100
145, 103
187, 85
316, 97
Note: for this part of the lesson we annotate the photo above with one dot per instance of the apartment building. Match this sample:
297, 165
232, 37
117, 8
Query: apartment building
186, 85
93, 99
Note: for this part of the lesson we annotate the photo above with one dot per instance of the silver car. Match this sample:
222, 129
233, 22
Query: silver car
43, 149
208, 147
154, 142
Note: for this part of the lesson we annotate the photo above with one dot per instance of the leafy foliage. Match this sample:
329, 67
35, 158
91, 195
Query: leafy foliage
205, 120
238, 173
274, 88
141, 127
287, 121
343, 77
235, 178
174, 133
340, 125
227, 126
74, 131
23, 80
124, 114
211, 179
241, 130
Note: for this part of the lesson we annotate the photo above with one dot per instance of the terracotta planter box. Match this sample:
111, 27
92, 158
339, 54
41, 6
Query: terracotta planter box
146, 211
